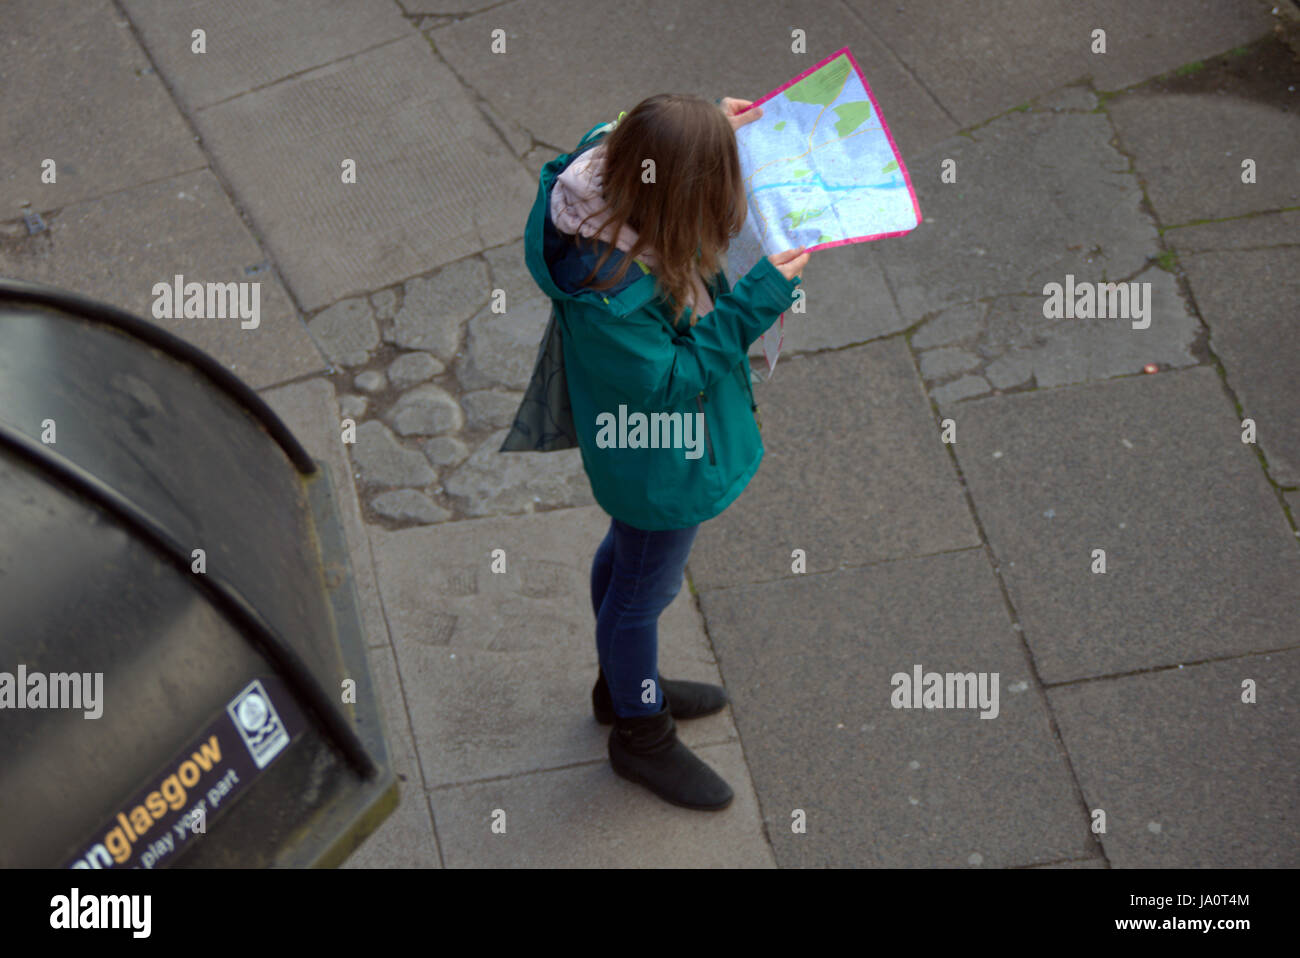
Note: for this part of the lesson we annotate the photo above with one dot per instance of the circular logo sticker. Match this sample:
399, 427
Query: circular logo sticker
252, 712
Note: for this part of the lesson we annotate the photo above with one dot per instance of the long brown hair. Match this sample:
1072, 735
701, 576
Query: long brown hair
695, 203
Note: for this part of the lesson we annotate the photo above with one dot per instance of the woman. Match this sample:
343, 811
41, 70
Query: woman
625, 238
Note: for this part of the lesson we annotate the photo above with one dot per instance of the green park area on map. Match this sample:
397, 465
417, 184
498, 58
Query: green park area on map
819, 167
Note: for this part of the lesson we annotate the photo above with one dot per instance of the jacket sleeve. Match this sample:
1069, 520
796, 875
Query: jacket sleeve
639, 358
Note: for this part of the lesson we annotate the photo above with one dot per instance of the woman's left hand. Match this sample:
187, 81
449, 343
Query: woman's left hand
731, 107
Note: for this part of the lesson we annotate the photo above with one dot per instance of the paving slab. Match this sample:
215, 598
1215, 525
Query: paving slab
1037, 196
116, 248
1199, 560
1189, 151
79, 90
594, 60
853, 472
406, 839
995, 56
588, 817
434, 182
1251, 303
846, 302
502, 347
1010, 343
809, 663
310, 410
434, 309
498, 667
492, 483
509, 273
252, 43
346, 332
1189, 775
1145, 39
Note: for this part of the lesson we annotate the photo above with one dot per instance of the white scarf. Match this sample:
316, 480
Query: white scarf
577, 194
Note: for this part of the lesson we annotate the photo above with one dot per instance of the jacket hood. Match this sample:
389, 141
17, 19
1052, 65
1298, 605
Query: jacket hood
569, 190
577, 194
544, 245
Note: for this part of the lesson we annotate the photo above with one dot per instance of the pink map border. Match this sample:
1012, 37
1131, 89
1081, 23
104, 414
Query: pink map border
907, 179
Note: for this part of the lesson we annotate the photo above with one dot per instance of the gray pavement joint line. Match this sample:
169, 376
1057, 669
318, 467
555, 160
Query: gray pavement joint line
398, 285
322, 373
1253, 214
1204, 338
456, 17
1057, 861
1238, 249
56, 210
995, 566
906, 67
1105, 95
740, 739
300, 73
1083, 80
479, 101
566, 767
406, 703
222, 180
524, 773
893, 295
1185, 290
1169, 668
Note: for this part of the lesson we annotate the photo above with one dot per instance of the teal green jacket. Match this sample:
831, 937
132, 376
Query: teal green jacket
624, 356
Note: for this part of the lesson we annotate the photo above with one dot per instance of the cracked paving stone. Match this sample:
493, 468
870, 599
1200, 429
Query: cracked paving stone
346, 332
488, 407
951, 326
434, 309
383, 461
503, 346
1037, 195
503, 483
962, 388
510, 273
947, 361
1022, 343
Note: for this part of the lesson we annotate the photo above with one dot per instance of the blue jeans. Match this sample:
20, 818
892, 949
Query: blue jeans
634, 577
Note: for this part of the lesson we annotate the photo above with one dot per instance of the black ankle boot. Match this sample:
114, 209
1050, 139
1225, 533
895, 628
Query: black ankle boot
646, 750
686, 700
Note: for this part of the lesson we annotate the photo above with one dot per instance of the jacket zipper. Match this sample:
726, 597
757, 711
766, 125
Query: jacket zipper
753, 406
708, 440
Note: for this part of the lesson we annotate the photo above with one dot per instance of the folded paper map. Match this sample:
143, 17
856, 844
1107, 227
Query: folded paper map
821, 170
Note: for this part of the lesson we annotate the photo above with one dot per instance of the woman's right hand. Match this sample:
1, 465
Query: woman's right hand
791, 262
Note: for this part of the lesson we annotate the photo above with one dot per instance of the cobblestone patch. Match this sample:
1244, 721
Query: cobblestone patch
433, 378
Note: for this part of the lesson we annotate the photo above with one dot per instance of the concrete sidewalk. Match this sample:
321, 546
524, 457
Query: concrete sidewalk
1121, 693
